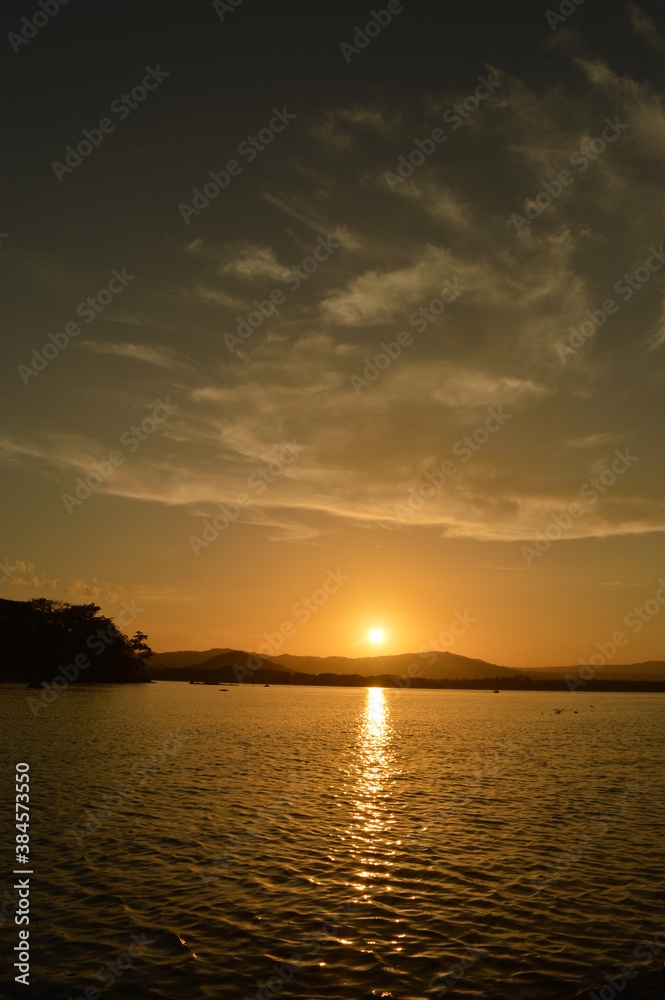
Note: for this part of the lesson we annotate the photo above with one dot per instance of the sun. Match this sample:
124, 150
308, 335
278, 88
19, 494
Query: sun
376, 636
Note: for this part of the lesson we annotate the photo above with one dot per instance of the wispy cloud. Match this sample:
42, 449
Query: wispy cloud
251, 262
161, 356
645, 28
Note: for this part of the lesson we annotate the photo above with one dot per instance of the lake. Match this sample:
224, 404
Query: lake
335, 843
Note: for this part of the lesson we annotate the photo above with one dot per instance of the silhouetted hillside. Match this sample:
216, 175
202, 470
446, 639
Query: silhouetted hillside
650, 670
184, 658
432, 664
229, 665
42, 639
426, 669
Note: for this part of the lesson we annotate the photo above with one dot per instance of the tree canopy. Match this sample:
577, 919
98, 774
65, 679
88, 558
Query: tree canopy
39, 637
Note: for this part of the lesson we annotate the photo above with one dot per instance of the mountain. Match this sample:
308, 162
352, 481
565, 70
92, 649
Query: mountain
418, 667
227, 665
430, 665
650, 670
184, 658
235, 657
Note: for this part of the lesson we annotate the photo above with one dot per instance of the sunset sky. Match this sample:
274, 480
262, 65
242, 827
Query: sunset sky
326, 459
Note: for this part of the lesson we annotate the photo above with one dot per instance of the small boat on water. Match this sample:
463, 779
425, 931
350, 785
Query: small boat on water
496, 691
266, 685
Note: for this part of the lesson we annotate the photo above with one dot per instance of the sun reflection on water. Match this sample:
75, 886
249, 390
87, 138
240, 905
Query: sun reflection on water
370, 832
375, 737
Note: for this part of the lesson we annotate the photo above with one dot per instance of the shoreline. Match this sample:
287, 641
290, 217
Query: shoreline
489, 685
228, 675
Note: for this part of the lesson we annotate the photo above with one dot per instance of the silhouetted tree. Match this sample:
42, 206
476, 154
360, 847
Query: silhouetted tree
40, 636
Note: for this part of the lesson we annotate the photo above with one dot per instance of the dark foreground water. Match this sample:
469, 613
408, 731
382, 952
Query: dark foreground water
326, 843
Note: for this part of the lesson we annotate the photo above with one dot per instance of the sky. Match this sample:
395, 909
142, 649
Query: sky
321, 319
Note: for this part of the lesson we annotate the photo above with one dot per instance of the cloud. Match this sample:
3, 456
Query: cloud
240, 259
496, 345
23, 574
218, 297
160, 356
595, 440
645, 28
657, 338
340, 127
381, 296
131, 319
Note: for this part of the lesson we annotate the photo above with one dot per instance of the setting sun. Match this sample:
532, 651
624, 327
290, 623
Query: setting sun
376, 635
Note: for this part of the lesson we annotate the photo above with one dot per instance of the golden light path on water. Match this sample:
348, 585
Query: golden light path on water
370, 835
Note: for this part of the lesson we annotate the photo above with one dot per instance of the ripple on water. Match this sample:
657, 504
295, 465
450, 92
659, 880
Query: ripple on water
355, 843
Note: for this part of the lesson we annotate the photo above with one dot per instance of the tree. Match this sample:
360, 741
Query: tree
140, 647
40, 637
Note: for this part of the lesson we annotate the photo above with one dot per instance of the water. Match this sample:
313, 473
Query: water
335, 843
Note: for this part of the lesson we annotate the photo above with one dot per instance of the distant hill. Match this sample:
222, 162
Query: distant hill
418, 667
184, 658
650, 670
227, 665
431, 665
233, 657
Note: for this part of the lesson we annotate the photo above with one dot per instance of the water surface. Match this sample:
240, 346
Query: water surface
337, 843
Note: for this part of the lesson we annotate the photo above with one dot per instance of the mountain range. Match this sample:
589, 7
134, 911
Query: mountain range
431, 665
